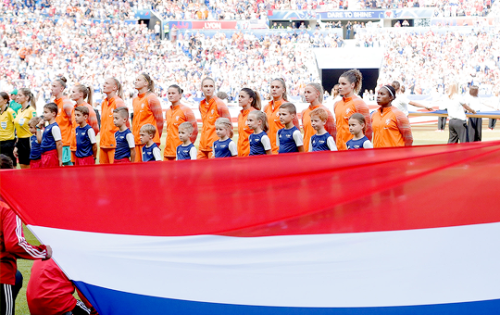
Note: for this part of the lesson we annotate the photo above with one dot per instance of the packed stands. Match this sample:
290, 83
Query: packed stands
424, 61
36, 47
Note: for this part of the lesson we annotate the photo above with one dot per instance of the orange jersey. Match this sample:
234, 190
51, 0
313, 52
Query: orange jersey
244, 133
177, 115
108, 128
147, 110
63, 118
308, 129
273, 119
343, 111
215, 108
391, 128
91, 120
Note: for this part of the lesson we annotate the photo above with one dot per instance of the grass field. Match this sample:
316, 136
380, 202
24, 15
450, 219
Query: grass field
422, 134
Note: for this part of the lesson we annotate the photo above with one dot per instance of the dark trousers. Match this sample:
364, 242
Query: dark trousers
442, 123
492, 123
475, 129
80, 309
8, 294
458, 131
98, 117
7, 148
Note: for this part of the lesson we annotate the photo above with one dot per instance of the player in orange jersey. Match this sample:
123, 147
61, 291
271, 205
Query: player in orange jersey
82, 96
249, 100
176, 115
278, 93
147, 110
211, 108
313, 93
63, 118
350, 84
114, 99
391, 127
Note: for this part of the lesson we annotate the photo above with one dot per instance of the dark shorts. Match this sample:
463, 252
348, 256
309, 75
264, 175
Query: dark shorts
23, 150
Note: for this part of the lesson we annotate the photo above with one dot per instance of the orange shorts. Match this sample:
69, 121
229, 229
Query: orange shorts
106, 156
138, 152
204, 155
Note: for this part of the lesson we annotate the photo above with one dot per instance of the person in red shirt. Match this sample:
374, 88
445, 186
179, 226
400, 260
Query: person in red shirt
50, 292
13, 245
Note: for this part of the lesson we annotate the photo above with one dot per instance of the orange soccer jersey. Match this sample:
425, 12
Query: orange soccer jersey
215, 108
391, 128
275, 124
244, 133
308, 129
63, 118
147, 110
344, 109
108, 128
177, 115
91, 120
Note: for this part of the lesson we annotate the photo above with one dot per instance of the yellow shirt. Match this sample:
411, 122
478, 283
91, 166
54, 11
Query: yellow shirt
7, 124
22, 120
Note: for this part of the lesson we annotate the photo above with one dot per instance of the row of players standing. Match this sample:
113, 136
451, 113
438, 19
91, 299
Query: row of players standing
390, 126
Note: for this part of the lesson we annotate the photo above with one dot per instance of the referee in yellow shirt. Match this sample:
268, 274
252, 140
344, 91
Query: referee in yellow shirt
21, 123
7, 133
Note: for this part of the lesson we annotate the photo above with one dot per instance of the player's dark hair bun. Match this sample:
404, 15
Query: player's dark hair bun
6, 162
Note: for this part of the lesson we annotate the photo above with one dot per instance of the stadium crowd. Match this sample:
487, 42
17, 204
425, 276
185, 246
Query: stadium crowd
33, 54
36, 52
230, 9
424, 61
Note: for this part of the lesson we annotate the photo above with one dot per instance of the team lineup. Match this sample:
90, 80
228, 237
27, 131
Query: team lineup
66, 135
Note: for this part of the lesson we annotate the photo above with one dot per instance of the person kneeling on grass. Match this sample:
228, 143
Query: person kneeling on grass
50, 292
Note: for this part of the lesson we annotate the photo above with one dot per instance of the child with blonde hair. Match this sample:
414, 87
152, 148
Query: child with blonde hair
187, 150
225, 146
150, 150
35, 149
260, 143
357, 127
322, 140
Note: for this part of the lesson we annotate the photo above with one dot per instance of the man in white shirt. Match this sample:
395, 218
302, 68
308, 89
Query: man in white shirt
401, 102
458, 119
475, 125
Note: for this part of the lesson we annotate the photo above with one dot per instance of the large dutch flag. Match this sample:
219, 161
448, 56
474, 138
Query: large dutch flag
391, 231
